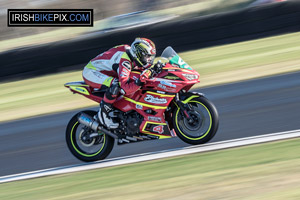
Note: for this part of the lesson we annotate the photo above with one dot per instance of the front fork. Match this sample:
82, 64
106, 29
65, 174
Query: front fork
185, 108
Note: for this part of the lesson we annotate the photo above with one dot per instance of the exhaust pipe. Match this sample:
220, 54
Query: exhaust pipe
93, 124
88, 121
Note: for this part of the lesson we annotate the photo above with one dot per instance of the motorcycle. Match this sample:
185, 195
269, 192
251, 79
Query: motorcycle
162, 108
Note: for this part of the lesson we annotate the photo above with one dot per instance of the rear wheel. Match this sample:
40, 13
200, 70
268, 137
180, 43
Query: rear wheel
204, 123
86, 144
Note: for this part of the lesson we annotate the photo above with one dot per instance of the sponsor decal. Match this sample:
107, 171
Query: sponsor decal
125, 72
166, 89
172, 77
138, 106
126, 64
79, 89
156, 100
99, 75
158, 119
162, 86
107, 108
97, 62
168, 84
159, 129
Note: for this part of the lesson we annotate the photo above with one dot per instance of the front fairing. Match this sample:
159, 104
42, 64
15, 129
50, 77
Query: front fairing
176, 74
171, 80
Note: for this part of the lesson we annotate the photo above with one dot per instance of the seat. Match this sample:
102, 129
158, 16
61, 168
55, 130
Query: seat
99, 92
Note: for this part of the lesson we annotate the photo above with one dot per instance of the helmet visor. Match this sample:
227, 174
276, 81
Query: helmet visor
149, 59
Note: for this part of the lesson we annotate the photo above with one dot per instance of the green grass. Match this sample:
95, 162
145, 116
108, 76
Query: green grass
265, 171
216, 65
245, 54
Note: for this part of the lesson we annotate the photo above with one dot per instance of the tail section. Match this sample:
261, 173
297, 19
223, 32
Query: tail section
84, 89
79, 87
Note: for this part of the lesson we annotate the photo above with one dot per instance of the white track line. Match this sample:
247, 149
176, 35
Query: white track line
153, 155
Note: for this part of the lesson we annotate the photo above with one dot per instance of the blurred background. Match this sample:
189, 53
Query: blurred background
108, 15
206, 22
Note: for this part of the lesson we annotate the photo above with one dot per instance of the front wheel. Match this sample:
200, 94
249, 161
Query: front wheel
86, 144
204, 123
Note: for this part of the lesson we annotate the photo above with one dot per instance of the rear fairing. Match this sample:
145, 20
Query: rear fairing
82, 88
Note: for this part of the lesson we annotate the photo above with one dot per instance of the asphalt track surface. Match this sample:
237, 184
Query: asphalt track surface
246, 108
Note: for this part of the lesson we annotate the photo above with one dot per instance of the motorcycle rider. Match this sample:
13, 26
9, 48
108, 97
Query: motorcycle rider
111, 71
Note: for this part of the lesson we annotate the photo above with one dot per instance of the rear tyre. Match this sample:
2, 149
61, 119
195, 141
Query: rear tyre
204, 125
84, 147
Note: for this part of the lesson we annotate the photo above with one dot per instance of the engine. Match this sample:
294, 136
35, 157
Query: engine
132, 122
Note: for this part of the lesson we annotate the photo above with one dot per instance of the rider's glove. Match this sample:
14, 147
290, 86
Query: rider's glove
157, 67
146, 74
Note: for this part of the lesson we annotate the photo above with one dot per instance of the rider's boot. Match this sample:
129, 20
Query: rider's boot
106, 114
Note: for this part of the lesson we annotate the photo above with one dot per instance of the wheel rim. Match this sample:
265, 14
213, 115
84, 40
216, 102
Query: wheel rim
85, 140
196, 121
87, 147
202, 122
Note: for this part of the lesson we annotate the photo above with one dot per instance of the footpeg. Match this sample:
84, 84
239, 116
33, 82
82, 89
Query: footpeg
145, 137
123, 141
153, 137
131, 139
138, 138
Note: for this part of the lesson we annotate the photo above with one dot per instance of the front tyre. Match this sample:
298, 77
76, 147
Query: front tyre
84, 143
204, 125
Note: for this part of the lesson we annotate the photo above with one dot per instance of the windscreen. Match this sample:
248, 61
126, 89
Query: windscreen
174, 59
168, 53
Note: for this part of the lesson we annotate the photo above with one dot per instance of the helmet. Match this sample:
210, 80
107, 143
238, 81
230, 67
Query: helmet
143, 52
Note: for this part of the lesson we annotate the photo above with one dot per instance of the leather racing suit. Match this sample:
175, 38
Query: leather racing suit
111, 70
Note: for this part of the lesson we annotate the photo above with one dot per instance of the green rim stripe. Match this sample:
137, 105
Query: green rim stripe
86, 155
176, 119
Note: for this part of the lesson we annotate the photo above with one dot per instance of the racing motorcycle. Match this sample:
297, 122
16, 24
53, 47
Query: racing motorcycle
162, 108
